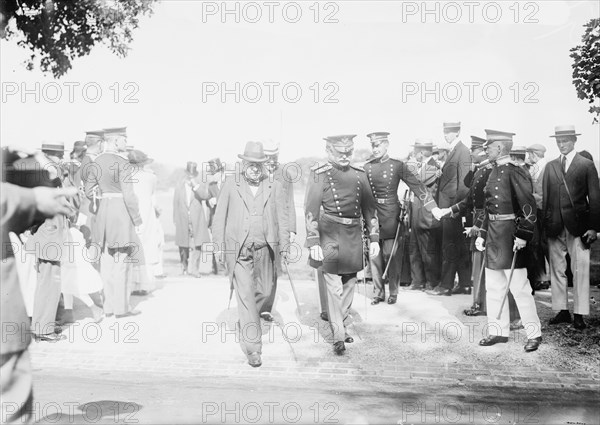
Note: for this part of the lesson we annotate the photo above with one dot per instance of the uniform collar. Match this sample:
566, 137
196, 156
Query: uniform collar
339, 167
381, 160
503, 160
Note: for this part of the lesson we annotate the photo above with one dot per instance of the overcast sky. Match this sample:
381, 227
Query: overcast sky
374, 62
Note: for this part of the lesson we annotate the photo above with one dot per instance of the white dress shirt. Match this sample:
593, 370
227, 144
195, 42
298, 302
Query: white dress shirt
569, 157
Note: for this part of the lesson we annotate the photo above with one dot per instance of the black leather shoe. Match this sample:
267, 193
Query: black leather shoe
266, 316
415, 287
461, 290
392, 299
440, 291
128, 314
339, 348
348, 339
493, 339
578, 322
533, 344
376, 301
324, 316
562, 317
254, 359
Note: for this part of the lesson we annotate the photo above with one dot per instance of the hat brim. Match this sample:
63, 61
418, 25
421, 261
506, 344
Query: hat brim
249, 159
562, 135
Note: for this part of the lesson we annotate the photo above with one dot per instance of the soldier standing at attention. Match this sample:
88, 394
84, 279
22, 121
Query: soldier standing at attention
384, 175
335, 237
508, 224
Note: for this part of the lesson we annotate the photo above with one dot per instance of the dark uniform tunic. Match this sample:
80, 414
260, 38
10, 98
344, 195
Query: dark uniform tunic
474, 202
384, 177
345, 196
510, 211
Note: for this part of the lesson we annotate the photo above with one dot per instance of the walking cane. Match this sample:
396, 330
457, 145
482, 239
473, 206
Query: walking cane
479, 278
512, 269
287, 270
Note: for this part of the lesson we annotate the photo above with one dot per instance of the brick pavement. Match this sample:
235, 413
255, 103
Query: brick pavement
183, 332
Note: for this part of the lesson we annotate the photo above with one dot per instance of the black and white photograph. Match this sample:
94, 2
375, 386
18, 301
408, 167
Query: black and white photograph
300, 212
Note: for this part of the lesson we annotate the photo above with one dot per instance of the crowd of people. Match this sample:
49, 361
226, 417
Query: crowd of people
494, 219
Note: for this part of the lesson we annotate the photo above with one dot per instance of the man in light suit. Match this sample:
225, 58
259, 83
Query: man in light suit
571, 212
451, 190
249, 227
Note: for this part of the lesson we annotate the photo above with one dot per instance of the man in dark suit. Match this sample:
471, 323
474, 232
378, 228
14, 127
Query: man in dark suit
571, 216
425, 228
472, 207
451, 190
249, 226
508, 226
334, 236
215, 179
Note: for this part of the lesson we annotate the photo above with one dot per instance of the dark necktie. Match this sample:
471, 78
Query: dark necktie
563, 163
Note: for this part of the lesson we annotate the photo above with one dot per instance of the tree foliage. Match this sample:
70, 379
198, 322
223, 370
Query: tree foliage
58, 31
586, 67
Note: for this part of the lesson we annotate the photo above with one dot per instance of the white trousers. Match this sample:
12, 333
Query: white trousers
496, 282
580, 266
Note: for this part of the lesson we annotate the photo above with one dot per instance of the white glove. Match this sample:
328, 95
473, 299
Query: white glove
212, 202
480, 244
374, 249
292, 237
437, 213
519, 244
316, 253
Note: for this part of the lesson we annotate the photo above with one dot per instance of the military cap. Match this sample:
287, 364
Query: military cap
342, 143
565, 130
537, 148
498, 136
93, 137
117, 131
378, 137
477, 143
452, 125
518, 150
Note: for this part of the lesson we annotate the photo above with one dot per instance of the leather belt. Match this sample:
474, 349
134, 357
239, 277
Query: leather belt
387, 200
501, 217
342, 220
111, 195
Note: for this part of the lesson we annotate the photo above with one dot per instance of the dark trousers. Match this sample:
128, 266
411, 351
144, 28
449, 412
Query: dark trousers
424, 257
455, 254
184, 257
478, 278
253, 282
322, 290
46, 297
378, 265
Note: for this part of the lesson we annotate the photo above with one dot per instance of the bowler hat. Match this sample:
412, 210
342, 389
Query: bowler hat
253, 152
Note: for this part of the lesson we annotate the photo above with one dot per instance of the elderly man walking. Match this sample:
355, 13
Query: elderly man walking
249, 227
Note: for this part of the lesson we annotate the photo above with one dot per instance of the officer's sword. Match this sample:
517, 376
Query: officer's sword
399, 229
512, 269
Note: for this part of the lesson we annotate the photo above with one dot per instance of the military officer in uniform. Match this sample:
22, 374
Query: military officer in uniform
117, 222
472, 206
89, 207
384, 175
508, 225
334, 237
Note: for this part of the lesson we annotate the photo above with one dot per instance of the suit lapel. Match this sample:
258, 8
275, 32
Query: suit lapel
265, 188
244, 191
450, 156
572, 166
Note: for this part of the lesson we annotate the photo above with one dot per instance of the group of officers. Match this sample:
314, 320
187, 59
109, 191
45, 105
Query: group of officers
523, 216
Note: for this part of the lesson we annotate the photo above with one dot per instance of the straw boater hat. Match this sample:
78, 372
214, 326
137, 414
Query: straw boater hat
253, 152
423, 143
453, 125
565, 130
